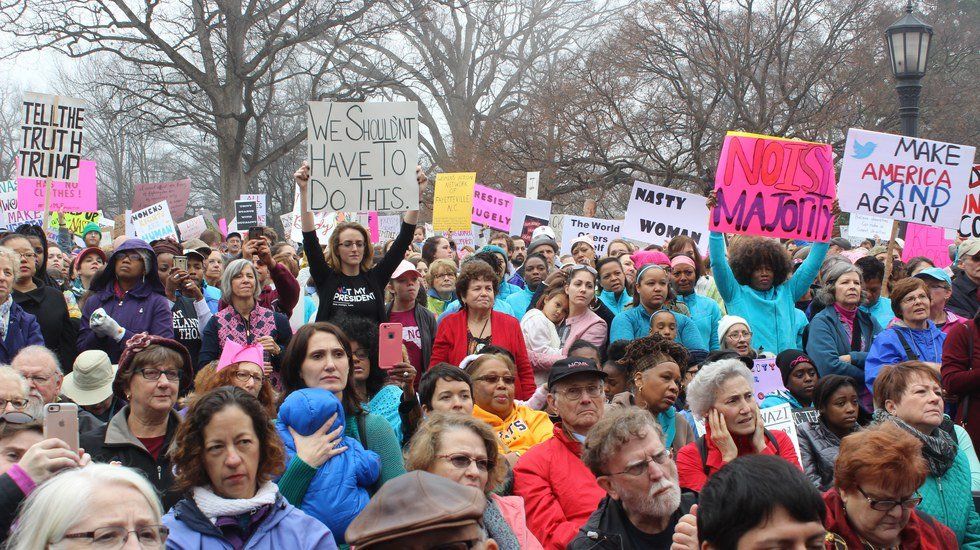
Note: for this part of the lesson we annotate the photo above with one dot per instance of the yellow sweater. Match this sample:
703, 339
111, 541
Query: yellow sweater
521, 430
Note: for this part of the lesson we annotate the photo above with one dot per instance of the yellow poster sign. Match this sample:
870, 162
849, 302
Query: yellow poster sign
452, 207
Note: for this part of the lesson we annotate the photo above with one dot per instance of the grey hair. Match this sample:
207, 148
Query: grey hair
231, 271
58, 504
703, 390
616, 428
34, 351
10, 374
830, 273
11, 256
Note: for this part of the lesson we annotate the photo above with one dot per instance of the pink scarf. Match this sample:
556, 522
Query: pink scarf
847, 317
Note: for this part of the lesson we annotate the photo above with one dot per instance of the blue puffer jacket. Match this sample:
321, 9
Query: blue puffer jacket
950, 500
520, 302
616, 305
339, 489
634, 323
284, 527
887, 349
771, 313
706, 314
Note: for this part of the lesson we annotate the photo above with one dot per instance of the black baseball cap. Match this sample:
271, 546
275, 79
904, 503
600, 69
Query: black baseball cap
563, 368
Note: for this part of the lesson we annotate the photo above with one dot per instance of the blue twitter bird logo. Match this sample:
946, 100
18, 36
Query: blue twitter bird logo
863, 151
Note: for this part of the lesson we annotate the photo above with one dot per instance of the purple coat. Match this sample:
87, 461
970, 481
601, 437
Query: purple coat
145, 308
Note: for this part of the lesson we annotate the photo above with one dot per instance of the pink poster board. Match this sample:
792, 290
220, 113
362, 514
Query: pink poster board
928, 241
774, 187
175, 193
492, 208
65, 196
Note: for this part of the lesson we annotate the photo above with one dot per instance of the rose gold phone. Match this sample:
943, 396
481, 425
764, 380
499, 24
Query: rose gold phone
389, 345
61, 422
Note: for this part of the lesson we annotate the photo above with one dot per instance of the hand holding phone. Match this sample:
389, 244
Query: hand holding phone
180, 262
389, 345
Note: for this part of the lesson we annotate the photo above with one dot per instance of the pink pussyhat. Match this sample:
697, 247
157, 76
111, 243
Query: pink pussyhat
235, 353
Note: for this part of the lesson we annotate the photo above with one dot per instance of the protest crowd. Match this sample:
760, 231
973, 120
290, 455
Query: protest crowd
516, 389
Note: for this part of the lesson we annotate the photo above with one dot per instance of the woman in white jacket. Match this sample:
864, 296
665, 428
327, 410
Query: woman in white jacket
540, 326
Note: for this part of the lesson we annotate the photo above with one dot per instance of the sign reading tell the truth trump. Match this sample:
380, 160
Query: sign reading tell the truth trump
774, 187
905, 178
363, 156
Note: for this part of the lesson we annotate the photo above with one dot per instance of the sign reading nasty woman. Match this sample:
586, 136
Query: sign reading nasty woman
656, 214
363, 156
774, 187
905, 178
51, 142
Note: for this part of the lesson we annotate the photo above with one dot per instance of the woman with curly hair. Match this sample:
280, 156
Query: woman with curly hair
654, 365
755, 283
225, 454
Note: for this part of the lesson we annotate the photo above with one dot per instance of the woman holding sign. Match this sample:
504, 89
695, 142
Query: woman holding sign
346, 283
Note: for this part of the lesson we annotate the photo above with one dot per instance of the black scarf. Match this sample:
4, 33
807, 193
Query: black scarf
938, 449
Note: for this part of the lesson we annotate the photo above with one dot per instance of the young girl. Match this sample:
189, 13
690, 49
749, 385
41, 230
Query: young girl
664, 323
540, 326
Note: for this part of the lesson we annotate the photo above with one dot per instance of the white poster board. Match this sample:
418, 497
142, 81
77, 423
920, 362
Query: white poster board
863, 227
533, 178
602, 232
51, 139
524, 207
260, 206
192, 228
154, 222
656, 214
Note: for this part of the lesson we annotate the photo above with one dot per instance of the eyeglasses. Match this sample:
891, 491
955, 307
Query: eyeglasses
244, 377
37, 379
740, 335
889, 505
462, 462
352, 244
576, 392
18, 404
111, 538
493, 379
154, 374
28, 256
135, 256
640, 468
460, 545
448, 274
361, 354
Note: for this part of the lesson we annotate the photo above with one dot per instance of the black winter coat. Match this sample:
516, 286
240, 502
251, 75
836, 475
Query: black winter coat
609, 528
48, 305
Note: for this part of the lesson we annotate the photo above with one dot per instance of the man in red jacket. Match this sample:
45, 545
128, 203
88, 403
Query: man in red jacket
559, 490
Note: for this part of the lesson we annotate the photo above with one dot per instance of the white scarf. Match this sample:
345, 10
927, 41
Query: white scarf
214, 506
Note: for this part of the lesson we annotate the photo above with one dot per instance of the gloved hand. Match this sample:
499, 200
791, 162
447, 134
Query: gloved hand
105, 326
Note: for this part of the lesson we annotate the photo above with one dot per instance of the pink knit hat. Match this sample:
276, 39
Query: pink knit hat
644, 257
235, 353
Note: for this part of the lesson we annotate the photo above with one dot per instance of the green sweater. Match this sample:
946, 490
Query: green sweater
380, 439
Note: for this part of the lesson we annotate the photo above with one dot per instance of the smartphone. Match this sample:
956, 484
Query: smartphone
255, 233
389, 345
180, 262
61, 422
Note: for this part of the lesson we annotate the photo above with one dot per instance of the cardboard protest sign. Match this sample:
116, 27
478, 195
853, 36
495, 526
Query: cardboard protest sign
75, 222
863, 226
492, 208
905, 178
656, 214
10, 215
767, 378
363, 156
51, 143
370, 221
64, 196
452, 206
533, 178
462, 238
931, 242
602, 232
260, 206
528, 208
388, 227
192, 228
781, 418
246, 215
175, 193
970, 221
154, 222
774, 187
287, 221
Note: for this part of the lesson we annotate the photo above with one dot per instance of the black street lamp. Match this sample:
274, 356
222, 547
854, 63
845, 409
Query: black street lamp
908, 40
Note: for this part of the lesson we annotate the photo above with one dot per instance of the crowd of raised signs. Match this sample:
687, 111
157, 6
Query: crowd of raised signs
243, 391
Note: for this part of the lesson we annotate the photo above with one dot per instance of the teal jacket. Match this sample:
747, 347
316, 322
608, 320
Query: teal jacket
616, 305
706, 314
770, 314
881, 311
778, 397
950, 500
634, 323
520, 302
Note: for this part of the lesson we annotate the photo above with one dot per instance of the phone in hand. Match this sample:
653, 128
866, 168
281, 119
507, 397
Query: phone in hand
255, 233
180, 262
61, 422
389, 345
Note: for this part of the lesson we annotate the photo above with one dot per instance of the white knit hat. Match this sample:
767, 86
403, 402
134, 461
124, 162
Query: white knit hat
726, 323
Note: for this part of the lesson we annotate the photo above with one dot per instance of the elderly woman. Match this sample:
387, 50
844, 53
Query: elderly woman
463, 449
348, 283
244, 321
441, 284
127, 299
239, 366
518, 427
913, 337
874, 499
734, 334
477, 325
319, 356
502, 292
940, 290
99, 506
152, 372
841, 334
581, 323
909, 395
20, 328
652, 294
226, 454
722, 394
836, 399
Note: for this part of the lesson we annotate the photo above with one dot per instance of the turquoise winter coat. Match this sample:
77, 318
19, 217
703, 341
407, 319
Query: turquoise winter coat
616, 305
950, 500
705, 313
771, 313
634, 323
